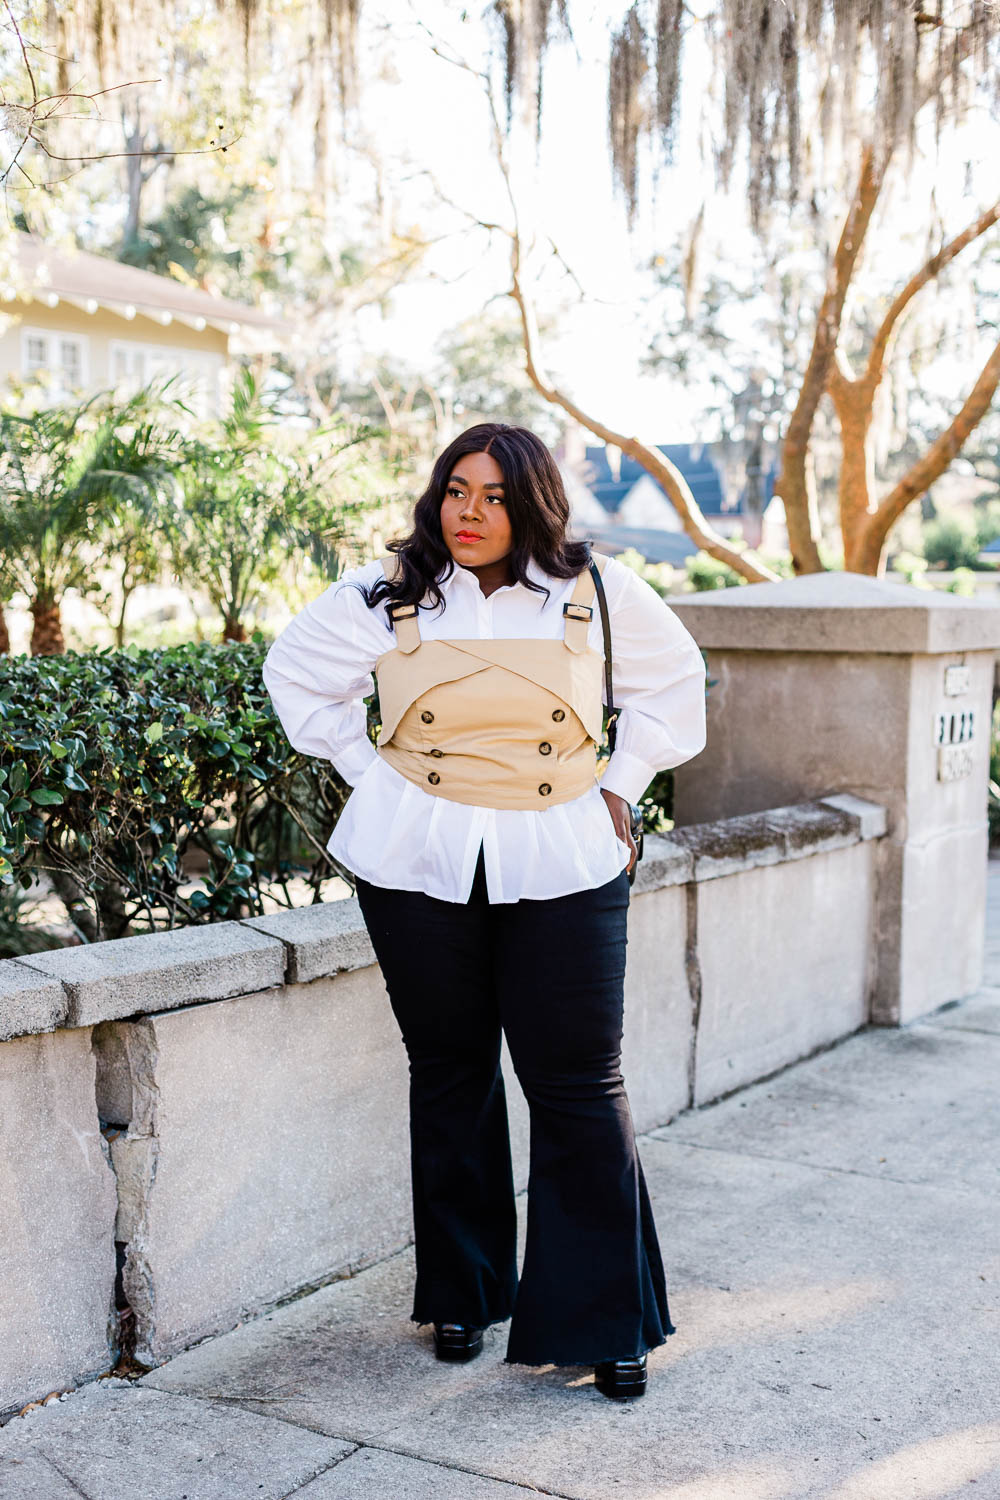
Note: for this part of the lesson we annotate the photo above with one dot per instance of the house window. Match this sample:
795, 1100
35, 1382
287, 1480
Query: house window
71, 361
127, 365
132, 365
60, 359
36, 355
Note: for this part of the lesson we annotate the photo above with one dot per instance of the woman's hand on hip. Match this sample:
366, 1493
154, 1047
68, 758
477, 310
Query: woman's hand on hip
619, 810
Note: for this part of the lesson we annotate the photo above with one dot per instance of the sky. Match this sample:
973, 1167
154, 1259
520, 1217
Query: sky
433, 118
437, 115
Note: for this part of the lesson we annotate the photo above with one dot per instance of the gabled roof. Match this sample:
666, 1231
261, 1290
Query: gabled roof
90, 281
691, 458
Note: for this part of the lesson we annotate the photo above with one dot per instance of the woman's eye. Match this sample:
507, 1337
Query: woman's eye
496, 499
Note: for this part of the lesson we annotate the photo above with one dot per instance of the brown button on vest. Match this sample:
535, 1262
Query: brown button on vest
477, 721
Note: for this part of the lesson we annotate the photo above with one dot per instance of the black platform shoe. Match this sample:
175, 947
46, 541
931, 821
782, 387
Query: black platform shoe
457, 1341
621, 1378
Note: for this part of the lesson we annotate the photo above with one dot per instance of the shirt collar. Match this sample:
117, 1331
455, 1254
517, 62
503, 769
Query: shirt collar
465, 578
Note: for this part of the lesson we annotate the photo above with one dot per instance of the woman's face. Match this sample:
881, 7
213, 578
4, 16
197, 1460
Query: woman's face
474, 520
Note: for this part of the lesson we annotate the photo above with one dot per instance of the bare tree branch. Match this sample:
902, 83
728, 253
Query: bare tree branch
24, 120
651, 459
938, 456
930, 269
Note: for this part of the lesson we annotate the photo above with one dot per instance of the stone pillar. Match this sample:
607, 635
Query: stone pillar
838, 682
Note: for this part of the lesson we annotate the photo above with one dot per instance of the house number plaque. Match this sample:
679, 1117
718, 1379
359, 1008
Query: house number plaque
954, 730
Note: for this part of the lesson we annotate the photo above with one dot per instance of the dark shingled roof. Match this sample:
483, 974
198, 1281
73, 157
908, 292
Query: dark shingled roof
690, 458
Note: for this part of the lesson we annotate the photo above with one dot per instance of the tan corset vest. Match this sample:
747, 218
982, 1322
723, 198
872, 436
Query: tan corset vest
494, 723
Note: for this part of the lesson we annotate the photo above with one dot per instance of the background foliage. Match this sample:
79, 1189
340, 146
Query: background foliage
156, 789
122, 771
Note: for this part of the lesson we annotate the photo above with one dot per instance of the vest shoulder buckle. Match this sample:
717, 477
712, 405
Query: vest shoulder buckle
578, 611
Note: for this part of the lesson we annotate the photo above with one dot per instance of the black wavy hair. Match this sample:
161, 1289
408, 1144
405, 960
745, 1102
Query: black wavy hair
535, 501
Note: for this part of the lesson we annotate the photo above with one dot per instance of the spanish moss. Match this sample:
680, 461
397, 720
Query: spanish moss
796, 72
525, 28
870, 65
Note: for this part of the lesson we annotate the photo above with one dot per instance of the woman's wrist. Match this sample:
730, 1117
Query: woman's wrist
621, 817
627, 775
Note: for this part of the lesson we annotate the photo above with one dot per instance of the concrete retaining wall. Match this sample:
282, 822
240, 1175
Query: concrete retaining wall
228, 1104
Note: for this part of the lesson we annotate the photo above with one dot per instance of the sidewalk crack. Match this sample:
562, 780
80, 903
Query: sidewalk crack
794, 1161
454, 1468
692, 971
359, 1443
68, 1478
975, 1030
326, 1469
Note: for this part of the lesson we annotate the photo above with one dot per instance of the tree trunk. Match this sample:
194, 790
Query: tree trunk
98, 916
111, 910
46, 634
78, 903
866, 554
793, 482
233, 630
864, 524
853, 400
4, 637
120, 622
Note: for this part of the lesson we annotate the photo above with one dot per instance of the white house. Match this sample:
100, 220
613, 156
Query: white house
82, 322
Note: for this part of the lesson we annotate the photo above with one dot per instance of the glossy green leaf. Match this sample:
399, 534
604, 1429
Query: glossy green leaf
46, 796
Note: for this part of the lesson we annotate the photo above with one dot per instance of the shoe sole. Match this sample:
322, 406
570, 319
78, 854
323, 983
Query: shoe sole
458, 1353
622, 1392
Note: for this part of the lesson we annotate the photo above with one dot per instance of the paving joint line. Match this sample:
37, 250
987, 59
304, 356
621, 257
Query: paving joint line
360, 1443
68, 1478
975, 1030
455, 1468
220, 1398
794, 1161
326, 1469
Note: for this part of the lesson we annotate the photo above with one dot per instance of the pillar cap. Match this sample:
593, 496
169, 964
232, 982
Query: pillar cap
837, 611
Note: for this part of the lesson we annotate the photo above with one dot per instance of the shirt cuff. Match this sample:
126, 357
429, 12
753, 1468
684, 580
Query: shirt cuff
353, 760
627, 776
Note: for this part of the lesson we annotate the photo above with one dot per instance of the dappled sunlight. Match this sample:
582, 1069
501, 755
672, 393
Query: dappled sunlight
758, 1481
930, 1470
711, 1315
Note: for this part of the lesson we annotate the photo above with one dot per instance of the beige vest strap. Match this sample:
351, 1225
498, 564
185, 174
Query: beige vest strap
579, 609
404, 617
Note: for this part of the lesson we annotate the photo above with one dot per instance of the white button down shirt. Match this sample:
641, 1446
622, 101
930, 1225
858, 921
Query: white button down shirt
391, 832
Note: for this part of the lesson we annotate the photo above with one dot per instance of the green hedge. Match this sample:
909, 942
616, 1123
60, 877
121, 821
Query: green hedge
117, 766
114, 765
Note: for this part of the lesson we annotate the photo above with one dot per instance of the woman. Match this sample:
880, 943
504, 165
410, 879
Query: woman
492, 874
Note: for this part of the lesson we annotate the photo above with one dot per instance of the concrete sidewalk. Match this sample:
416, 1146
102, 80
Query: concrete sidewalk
832, 1244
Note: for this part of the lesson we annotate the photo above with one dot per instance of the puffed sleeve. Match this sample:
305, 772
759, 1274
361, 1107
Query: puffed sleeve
659, 685
318, 673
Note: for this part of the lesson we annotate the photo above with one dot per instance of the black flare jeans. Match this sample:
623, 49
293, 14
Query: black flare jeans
551, 975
